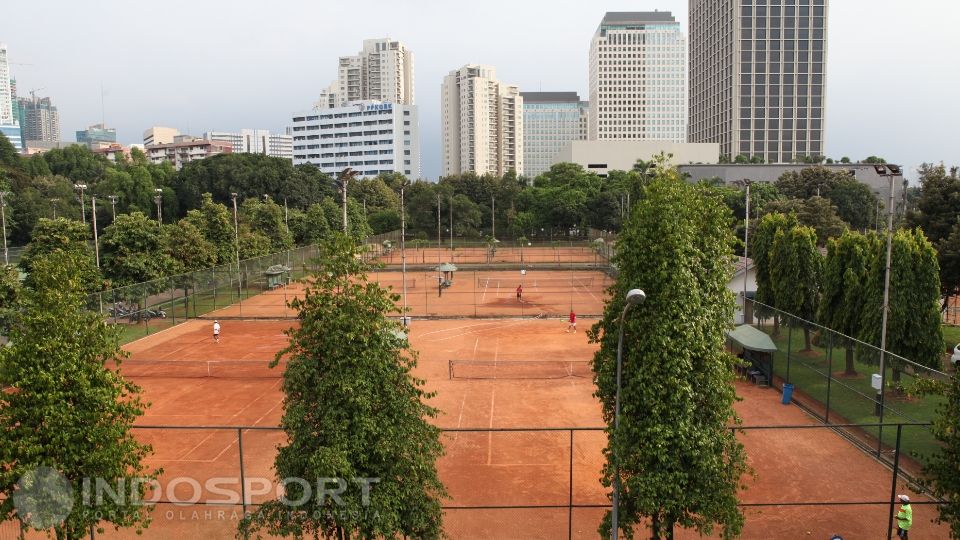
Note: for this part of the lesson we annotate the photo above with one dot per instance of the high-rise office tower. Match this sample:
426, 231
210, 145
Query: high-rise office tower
382, 71
482, 123
638, 78
757, 71
550, 121
41, 121
7, 115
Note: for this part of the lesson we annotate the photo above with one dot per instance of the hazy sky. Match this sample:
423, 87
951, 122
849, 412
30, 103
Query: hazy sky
892, 86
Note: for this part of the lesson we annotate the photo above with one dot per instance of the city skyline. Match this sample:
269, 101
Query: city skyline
889, 90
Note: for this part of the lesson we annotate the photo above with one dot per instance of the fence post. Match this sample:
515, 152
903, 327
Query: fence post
789, 348
243, 481
829, 374
570, 495
893, 484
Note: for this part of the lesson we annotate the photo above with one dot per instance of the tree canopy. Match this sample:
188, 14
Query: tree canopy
353, 411
679, 462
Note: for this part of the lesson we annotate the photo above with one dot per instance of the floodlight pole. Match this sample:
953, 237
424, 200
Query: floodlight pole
113, 204
746, 244
236, 244
493, 217
634, 296
83, 204
158, 198
403, 253
451, 227
891, 172
96, 239
3, 219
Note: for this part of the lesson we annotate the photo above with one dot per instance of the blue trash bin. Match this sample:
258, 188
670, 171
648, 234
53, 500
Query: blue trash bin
787, 393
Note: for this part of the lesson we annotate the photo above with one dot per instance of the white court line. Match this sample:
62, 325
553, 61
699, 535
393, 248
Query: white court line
475, 344
486, 285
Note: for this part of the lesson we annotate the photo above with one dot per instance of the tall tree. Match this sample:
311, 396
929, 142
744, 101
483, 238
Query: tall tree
55, 235
132, 251
353, 410
65, 409
796, 268
9, 293
766, 231
677, 387
215, 221
844, 275
266, 218
816, 212
914, 326
943, 467
936, 212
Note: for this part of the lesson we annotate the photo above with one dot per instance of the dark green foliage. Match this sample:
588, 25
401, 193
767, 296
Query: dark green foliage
9, 294
250, 176
185, 244
132, 251
943, 467
679, 462
796, 269
352, 409
216, 224
937, 212
63, 408
266, 218
62, 235
761, 247
844, 276
913, 328
816, 212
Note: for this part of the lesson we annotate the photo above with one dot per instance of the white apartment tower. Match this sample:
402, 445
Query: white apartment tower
757, 77
371, 137
482, 123
382, 71
7, 116
638, 78
255, 141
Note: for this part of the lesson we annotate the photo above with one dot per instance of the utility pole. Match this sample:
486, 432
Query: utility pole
439, 248
3, 219
451, 226
96, 239
53, 203
158, 198
493, 217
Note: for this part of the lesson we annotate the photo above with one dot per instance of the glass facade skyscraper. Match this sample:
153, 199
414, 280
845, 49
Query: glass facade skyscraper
638, 78
757, 77
550, 121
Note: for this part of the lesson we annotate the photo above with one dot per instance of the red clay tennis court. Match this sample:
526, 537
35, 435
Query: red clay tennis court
546, 457
595, 254
491, 293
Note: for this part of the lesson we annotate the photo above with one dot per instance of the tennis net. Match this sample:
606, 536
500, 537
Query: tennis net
519, 369
533, 282
190, 369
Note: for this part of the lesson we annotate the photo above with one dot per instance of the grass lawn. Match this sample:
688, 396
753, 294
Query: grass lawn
951, 336
852, 397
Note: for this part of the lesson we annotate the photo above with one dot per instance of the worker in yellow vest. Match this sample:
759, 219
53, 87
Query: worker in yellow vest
904, 517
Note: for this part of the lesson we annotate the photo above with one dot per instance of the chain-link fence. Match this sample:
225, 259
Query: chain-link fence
543, 483
837, 379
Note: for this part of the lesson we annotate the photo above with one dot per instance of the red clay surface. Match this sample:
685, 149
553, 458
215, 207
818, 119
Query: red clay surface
495, 468
548, 293
482, 255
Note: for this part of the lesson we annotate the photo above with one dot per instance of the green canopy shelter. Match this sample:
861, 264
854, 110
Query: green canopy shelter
758, 349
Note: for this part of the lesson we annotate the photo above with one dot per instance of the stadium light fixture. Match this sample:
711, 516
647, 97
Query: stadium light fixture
633, 298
